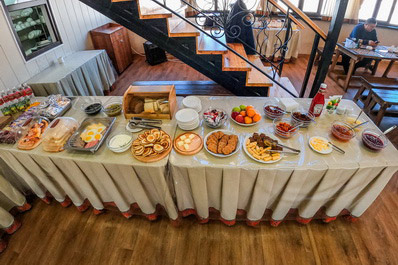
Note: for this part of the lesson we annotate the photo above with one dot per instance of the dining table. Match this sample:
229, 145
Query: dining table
356, 55
310, 185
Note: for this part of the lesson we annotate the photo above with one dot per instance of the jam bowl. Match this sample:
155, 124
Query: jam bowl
284, 128
373, 140
305, 118
342, 131
273, 111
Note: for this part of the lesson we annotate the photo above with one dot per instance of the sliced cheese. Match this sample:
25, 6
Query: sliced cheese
191, 136
183, 137
186, 146
180, 143
187, 141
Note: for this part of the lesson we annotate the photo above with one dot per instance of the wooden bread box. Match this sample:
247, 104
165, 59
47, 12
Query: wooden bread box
152, 92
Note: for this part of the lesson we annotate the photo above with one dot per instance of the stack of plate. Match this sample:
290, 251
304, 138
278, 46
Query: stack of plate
187, 119
120, 143
192, 102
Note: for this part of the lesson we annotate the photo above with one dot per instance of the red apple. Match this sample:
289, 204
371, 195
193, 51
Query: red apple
240, 119
234, 114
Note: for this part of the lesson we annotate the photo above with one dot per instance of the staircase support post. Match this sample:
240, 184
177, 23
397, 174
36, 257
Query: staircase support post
330, 44
310, 64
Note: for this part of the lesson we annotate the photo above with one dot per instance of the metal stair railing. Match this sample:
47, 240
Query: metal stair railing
284, 48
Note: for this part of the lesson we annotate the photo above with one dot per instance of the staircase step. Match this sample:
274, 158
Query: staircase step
207, 45
231, 62
255, 77
148, 9
276, 91
181, 28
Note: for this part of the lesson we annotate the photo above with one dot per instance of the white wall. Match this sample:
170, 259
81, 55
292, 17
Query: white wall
74, 21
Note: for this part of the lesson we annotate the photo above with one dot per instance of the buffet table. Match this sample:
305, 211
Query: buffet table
84, 73
103, 177
307, 182
202, 183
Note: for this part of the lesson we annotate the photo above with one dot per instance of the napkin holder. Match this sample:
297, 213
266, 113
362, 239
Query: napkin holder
167, 92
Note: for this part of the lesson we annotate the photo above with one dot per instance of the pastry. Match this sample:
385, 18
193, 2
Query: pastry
151, 143
220, 143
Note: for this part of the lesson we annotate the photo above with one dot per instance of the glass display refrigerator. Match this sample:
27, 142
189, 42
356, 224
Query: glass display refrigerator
33, 25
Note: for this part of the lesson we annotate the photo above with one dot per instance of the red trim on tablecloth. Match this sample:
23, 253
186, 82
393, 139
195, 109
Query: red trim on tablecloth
67, 202
98, 212
82, 208
241, 215
24, 208
3, 245
13, 227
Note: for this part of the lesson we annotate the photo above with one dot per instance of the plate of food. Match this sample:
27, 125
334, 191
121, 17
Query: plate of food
33, 137
222, 143
188, 143
151, 146
257, 147
320, 145
245, 115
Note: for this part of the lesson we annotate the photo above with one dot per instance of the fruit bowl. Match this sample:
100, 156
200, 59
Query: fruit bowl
373, 140
245, 116
342, 131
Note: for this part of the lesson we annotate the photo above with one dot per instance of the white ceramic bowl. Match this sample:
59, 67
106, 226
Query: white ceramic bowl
121, 147
186, 116
192, 102
221, 155
244, 124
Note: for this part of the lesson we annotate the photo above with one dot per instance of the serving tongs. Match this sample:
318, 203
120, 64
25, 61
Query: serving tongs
295, 151
146, 121
336, 148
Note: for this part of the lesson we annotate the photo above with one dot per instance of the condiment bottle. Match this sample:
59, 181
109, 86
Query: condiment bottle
318, 101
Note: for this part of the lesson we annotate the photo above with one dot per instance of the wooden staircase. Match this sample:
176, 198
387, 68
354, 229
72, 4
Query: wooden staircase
190, 45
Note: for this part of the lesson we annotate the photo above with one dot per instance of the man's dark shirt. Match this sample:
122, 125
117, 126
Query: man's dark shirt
359, 32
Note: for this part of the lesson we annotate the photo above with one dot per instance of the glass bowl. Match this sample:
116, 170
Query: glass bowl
92, 107
342, 131
373, 140
273, 111
113, 108
305, 118
214, 117
285, 128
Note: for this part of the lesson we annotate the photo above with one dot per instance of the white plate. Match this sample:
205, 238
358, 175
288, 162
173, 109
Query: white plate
244, 124
225, 132
325, 152
255, 159
133, 130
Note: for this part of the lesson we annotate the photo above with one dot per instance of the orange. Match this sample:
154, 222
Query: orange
243, 113
249, 107
257, 117
250, 112
248, 120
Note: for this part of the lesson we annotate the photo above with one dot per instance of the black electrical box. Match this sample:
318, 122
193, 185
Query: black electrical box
154, 55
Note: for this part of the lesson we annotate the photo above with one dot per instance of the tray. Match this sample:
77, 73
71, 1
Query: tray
61, 113
107, 121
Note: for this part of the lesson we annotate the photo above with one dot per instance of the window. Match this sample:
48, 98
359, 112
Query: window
310, 7
385, 11
33, 26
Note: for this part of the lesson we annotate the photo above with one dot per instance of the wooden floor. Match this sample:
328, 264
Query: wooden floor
51, 234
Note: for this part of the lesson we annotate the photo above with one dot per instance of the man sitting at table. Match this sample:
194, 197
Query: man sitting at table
367, 33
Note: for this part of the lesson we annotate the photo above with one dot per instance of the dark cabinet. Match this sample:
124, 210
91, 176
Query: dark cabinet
114, 39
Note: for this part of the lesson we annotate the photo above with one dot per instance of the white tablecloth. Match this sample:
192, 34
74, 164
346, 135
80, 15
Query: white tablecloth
306, 182
267, 41
9, 197
99, 178
84, 73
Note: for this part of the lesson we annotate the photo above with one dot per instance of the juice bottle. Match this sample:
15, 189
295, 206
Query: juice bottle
318, 101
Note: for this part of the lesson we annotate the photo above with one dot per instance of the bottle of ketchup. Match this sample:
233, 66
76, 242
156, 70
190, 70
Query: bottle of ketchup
318, 101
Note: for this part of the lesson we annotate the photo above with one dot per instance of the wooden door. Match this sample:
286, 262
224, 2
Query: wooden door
122, 49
